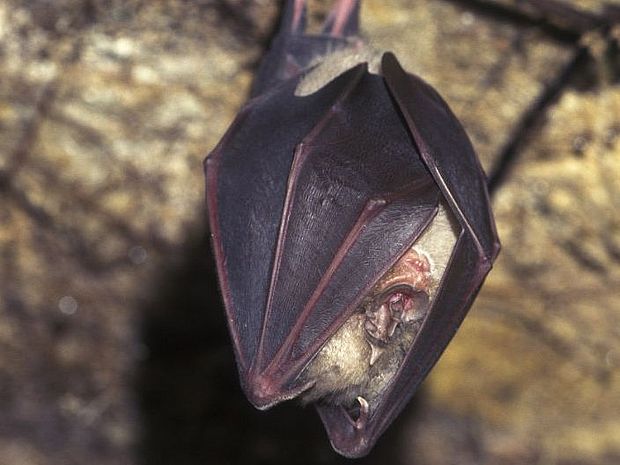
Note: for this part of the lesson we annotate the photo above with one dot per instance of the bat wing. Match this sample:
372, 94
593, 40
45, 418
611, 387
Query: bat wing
310, 204
447, 153
246, 183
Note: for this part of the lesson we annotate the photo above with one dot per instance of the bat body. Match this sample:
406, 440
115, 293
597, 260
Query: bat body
351, 227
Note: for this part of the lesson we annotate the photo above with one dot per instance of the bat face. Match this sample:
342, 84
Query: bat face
351, 228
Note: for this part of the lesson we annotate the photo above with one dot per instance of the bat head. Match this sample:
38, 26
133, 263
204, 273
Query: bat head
352, 230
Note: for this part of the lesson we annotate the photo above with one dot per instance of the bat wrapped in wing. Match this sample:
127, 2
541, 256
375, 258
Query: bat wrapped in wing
351, 226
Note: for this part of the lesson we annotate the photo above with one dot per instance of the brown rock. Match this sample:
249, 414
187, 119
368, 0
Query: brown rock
112, 341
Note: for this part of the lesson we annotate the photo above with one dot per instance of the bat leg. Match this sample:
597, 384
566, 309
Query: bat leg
343, 20
294, 18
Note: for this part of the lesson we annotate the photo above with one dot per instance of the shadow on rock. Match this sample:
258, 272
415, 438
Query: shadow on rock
191, 405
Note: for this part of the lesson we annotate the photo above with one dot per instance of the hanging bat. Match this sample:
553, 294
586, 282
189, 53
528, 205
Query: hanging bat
351, 226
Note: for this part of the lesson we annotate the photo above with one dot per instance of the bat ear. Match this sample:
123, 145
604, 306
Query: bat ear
343, 20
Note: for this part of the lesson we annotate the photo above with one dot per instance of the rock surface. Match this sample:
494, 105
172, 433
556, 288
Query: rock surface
113, 347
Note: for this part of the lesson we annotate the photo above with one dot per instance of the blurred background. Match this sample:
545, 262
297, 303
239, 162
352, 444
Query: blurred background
113, 345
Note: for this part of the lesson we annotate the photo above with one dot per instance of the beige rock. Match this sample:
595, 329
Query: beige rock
106, 112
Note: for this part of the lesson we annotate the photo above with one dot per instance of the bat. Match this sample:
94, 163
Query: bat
351, 226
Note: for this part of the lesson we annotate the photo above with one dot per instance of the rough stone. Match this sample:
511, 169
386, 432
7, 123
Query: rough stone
113, 348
